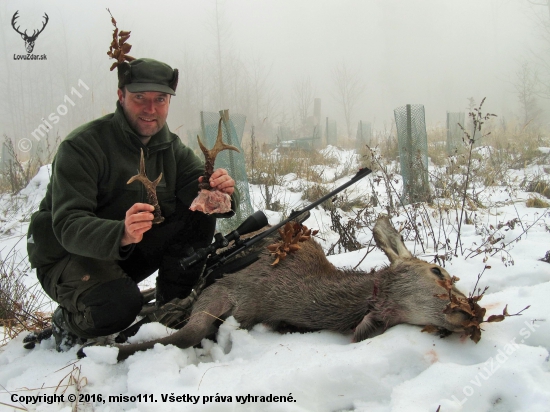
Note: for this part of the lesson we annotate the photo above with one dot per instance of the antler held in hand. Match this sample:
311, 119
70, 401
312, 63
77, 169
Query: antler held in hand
210, 156
151, 188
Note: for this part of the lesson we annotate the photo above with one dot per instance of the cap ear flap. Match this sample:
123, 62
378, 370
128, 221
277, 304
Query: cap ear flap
174, 82
124, 74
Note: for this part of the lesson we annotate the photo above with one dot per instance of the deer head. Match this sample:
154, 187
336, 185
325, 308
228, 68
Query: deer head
29, 40
414, 283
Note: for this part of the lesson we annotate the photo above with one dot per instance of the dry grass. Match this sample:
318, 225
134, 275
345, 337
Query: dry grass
437, 139
516, 146
16, 174
262, 167
538, 183
537, 202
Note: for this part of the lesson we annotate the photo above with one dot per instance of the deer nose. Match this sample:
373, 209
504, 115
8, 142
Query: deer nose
456, 320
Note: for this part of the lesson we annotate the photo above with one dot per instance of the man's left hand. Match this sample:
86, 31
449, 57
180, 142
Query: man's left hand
220, 180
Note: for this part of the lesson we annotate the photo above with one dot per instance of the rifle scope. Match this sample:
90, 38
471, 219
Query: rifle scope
254, 222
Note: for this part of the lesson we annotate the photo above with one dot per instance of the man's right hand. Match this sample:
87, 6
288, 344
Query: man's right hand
139, 220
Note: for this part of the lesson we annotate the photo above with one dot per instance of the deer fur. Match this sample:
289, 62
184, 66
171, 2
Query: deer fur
306, 291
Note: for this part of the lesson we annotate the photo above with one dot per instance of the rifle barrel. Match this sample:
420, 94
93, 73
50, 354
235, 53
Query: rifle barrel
358, 176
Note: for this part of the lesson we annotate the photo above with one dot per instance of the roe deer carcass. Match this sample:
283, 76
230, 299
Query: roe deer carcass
306, 291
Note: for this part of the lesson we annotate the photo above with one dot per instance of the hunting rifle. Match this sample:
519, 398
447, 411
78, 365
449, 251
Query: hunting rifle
215, 265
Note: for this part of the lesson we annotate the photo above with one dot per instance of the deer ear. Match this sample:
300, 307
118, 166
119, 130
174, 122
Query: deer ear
391, 242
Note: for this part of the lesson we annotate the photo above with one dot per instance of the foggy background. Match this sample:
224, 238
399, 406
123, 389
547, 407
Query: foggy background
275, 57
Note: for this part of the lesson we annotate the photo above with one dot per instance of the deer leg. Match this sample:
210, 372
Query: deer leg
193, 332
366, 328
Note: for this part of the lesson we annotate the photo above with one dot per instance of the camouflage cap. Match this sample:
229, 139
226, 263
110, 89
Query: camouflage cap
147, 75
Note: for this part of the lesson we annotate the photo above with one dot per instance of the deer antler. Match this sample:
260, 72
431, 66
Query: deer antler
151, 188
15, 17
210, 156
35, 33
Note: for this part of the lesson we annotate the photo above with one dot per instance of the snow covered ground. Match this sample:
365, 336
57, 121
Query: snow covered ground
259, 370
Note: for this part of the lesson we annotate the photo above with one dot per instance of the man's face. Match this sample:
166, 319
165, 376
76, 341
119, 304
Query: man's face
146, 112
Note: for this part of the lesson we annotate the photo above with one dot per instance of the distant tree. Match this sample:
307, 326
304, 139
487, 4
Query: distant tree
264, 98
542, 58
221, 31
302, 94
193, 93
545, 3
238, 85
348, 90
526, 85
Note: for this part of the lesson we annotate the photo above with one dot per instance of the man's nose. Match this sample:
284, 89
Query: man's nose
149, 106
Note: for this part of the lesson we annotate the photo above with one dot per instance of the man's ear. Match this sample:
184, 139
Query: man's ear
120, 95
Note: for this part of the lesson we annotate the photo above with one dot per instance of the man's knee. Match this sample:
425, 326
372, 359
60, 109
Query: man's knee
113, 306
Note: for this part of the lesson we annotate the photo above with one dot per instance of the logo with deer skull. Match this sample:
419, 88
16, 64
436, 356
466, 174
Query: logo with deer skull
29, 40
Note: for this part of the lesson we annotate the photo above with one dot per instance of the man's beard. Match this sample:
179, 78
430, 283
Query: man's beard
141, 129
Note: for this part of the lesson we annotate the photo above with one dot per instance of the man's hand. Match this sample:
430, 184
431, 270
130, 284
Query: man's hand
220, 180
139, 220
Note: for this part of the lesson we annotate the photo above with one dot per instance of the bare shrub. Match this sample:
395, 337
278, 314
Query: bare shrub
346, 230
22, 308
478, 119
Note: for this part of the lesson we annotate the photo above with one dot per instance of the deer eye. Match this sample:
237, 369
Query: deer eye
437, 272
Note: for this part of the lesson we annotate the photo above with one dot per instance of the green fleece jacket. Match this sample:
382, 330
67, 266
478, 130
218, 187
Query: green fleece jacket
87, 198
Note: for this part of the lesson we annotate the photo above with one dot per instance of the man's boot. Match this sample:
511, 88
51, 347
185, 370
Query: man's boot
64, 339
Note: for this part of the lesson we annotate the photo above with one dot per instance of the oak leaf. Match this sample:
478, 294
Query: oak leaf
291, 234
